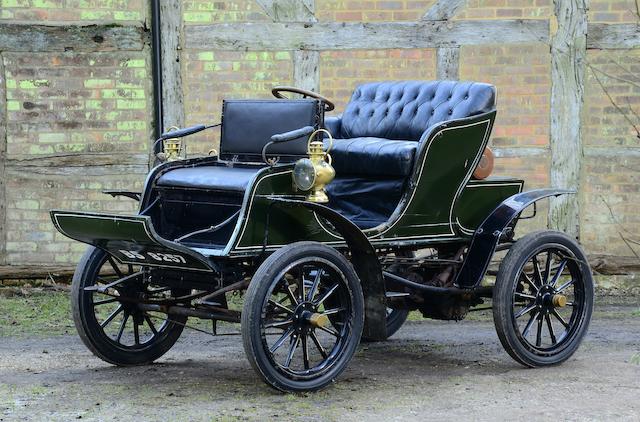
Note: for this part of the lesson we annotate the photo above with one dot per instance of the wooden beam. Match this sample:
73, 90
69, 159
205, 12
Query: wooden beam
39, 38
172, 94
444, 10
3, 157
448, 63
306, 69
568, 57
356, 35
289, 10
601, 36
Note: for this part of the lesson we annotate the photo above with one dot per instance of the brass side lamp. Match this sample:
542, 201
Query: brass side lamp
314, 173
173, 147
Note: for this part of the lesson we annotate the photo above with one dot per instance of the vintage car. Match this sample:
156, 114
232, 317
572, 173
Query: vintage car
331, 231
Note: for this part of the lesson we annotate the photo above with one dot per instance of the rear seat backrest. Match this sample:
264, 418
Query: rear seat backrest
405, 110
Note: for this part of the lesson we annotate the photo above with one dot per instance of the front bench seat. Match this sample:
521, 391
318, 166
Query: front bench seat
247, 125
399, 114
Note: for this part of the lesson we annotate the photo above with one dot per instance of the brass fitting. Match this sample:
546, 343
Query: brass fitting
319, 320
559, 301
324, 171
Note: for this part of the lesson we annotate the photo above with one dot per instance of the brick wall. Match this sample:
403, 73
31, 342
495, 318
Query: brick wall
95, 104
77, 124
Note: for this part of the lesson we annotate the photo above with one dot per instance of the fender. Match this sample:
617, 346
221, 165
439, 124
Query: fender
365, 262
487, 235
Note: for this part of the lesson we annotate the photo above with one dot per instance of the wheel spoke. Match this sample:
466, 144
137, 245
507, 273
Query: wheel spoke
292, 350
556, 277
305, 352
550, 327
559, 318
547, 267
293, 298
564, 286
334, 311
526, 310
316, 283
530, 281
281, 306
536, 271
539, 332
279, 324
326, 295
136, 333
529, 324
105, 301
330, 331
122, 325
316, 341
151, 326
111, 317
281, 340
115, 267
525, 296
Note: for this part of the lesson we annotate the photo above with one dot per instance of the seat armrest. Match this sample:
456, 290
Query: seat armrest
334, 125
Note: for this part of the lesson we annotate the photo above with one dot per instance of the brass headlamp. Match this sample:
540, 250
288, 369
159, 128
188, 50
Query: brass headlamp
314, 173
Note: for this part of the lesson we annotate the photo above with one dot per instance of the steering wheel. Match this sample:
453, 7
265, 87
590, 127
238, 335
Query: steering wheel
278, 90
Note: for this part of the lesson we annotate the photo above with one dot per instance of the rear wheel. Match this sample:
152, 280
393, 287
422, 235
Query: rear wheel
543, 299
109, 321
303, 316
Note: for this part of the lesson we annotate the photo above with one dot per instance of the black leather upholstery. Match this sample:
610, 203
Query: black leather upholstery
405, 110
208, 177
247, 125
374, 156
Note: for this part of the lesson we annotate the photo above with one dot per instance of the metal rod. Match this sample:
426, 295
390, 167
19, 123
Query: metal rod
479, 291
235, 286
198, 313
156, 48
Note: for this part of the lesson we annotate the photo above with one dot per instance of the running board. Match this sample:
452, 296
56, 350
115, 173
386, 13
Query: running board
130, 239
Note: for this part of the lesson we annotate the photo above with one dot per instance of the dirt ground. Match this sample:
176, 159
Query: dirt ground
429, 371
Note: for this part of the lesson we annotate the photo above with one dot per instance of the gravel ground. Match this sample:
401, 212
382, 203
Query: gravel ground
430, 370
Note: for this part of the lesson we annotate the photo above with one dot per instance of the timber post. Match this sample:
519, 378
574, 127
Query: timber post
568, 61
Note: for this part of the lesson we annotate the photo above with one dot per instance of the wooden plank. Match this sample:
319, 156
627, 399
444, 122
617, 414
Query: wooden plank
77, 160
3, 157
568, 57
448, 63
613, 36
289, 10
306, 69
59, 273
356, 35
172, 94
444, 10
39, 38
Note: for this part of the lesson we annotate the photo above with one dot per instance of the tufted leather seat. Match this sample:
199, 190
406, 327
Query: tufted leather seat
366, 155
402, 112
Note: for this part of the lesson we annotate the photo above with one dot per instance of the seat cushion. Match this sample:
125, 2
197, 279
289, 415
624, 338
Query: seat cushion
405, 110
373, 156
209, 177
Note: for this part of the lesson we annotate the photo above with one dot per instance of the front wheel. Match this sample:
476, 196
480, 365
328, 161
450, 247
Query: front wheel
103, 301
543, 299
303, 316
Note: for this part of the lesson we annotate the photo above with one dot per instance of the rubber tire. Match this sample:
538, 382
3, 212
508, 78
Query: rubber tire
252, 313
509, 269
395, 321
92, 335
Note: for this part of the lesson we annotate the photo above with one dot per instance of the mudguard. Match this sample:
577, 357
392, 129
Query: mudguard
130, 239
487, 235
365, 261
